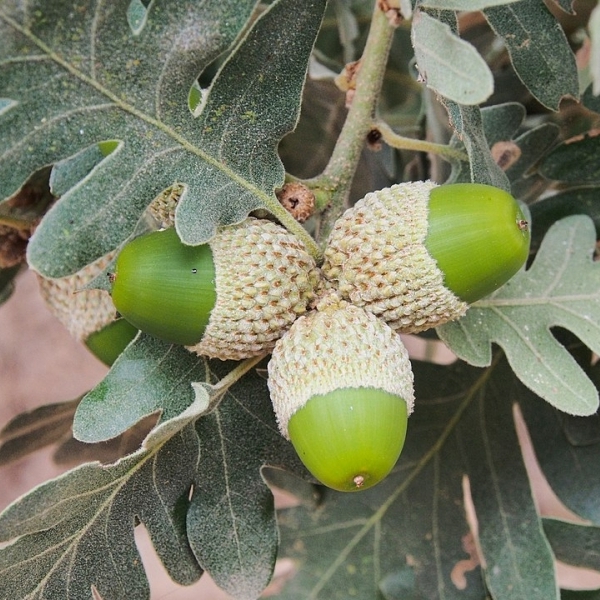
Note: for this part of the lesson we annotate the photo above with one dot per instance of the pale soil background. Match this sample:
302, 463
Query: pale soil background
40, 363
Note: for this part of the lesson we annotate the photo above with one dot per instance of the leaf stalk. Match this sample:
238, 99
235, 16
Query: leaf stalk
391, 138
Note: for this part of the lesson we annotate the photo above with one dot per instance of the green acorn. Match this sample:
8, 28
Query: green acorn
230, 298
88, 314
342, 389
417, 254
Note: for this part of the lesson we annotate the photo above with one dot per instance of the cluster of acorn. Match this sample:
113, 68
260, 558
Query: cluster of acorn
401, 260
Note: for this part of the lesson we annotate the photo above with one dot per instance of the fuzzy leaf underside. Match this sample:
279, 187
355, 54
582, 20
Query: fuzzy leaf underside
408, 536
561, 289
498, 156
469, 128
30, 431
96, 80
231, 519
449, 66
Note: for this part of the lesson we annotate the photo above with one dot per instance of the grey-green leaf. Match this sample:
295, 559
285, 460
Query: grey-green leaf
77, 530
449, 65
573, 201
469, 126
95, 80
538, 48
236, 441
561, 289
253, 102
35, 429
511, 536
149, 376
574, 543
570, 467
349, 546
101, 82
574, 162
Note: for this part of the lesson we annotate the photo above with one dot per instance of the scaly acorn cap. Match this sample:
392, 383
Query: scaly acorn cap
417, 254
231, 298
341, 386
88, 314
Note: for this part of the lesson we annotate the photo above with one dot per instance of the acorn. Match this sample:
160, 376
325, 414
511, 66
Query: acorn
231, 298
88, 314
417, 254
341, 386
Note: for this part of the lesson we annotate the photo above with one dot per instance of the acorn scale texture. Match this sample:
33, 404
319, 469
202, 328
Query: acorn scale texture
81, 311
337, 346
264, 279
377, 259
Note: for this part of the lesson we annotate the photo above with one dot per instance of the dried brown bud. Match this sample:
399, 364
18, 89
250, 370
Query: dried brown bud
298, 200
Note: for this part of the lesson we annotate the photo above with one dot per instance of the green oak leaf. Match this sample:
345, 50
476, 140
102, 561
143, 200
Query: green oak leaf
574, 162
77, 530
195, 484
77, 75
560, 289
538, 49
408, 537
148, 377
574, 544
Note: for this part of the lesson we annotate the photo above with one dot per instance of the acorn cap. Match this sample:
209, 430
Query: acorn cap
88, 314
265, 279
81, 311
406, 253
341, 386
162, 208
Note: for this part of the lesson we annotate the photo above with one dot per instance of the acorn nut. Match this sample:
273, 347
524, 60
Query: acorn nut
417, 254
88, 314
230, 298
341, 386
